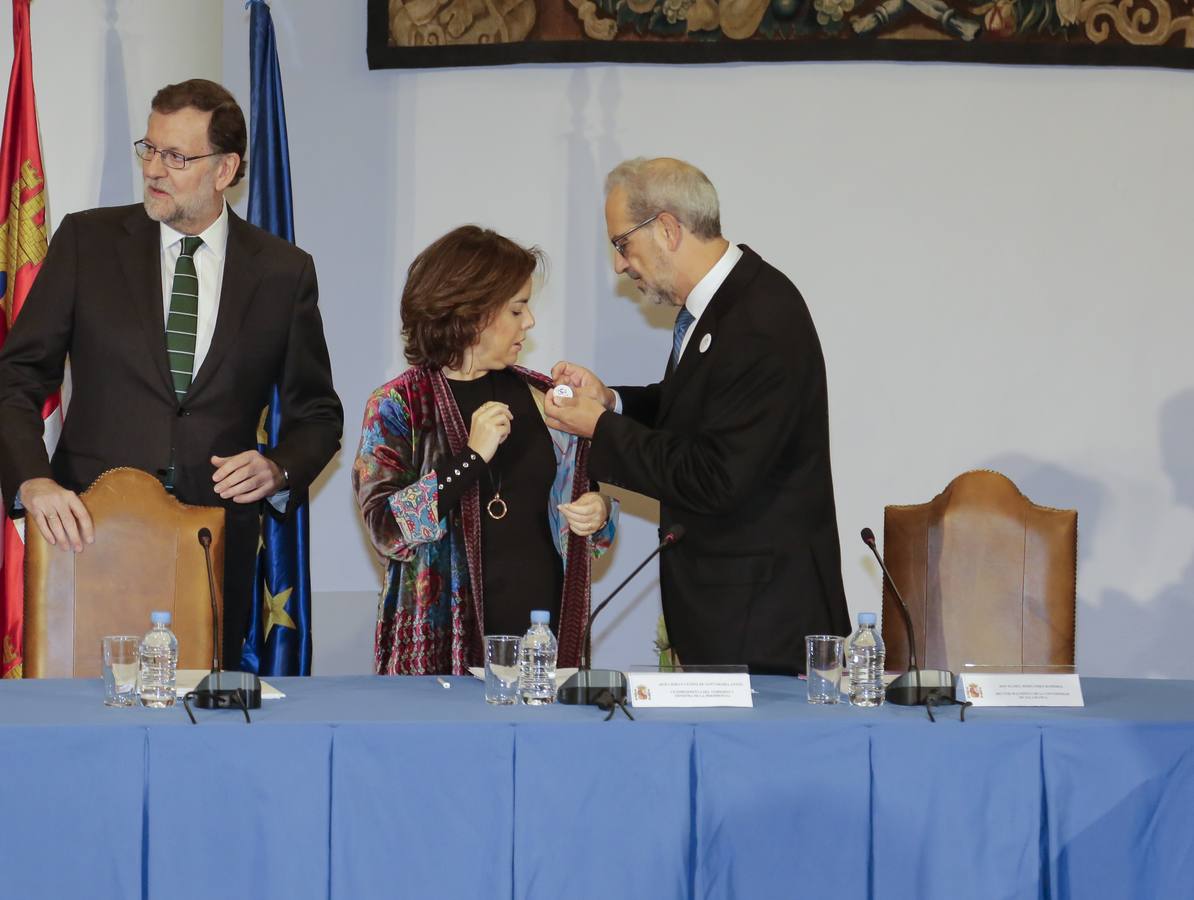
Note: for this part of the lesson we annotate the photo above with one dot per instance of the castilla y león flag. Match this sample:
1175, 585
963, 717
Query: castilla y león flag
23, 240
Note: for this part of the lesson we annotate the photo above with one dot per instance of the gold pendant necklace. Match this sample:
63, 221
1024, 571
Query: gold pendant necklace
496, 507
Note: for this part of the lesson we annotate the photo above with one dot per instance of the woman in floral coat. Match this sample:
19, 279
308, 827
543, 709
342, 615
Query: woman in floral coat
481, 511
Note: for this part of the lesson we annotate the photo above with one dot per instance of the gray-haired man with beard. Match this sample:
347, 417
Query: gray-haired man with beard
733, 441
178, 318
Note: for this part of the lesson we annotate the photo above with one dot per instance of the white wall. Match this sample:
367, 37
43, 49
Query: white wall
96, 67
994, 257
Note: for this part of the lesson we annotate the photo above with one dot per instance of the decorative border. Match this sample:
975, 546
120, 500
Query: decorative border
1107, 22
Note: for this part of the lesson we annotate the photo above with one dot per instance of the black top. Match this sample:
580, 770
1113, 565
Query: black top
521, 567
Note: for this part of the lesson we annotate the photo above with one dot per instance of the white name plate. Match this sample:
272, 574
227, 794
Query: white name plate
1019, 689
690, 689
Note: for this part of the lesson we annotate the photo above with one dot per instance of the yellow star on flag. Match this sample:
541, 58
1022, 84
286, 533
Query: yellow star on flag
277, 611
262, 434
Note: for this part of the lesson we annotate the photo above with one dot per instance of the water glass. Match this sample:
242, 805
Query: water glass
823, 658
501, 668
120, 669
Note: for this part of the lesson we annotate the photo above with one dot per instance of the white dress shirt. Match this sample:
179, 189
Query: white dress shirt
699, 297
209, 266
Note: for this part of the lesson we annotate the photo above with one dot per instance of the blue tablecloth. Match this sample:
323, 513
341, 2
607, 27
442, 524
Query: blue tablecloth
395, 787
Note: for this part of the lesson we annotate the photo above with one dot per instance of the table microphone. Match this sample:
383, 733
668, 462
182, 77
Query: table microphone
587, 687
915, 686
223, 690
205, 541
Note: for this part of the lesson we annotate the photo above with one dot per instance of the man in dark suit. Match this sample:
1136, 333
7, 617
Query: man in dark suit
178, 318
734, 441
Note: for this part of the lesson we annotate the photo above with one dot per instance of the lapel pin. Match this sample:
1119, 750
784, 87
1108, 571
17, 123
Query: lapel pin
705, 342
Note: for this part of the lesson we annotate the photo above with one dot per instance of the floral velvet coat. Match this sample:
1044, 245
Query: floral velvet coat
431, 616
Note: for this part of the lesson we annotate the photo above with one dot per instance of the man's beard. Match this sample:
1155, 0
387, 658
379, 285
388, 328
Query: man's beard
160, 209
169, 209
657, 295
664, 292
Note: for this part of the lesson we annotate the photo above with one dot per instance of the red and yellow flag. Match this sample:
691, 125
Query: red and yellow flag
23, 240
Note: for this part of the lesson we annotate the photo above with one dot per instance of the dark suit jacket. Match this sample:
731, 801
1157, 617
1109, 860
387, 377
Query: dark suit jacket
735, 444
98, 300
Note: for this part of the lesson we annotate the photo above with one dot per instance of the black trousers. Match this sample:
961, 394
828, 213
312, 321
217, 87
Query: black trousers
242, 532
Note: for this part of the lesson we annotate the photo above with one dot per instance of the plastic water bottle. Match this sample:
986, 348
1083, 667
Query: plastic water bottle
159, 662
537, 662
864, 662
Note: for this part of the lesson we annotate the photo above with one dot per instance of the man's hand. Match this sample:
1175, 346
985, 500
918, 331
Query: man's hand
583, 383
59, 514
575, 415
246, 477
586, 514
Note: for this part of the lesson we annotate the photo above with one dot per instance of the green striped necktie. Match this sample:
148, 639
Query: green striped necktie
183, 318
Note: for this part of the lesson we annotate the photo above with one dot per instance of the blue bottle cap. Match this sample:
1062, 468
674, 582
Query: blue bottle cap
867, 618
540, 617
159, 617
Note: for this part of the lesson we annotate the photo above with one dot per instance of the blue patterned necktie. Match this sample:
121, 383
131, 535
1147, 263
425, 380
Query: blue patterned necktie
684, 319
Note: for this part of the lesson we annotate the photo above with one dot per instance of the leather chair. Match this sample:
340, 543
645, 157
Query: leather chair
989, 577
146, 557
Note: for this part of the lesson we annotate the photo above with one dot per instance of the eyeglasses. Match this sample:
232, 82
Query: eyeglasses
620, 240
170, 158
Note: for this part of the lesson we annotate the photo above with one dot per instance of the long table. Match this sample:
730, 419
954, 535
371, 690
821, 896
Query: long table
397, 787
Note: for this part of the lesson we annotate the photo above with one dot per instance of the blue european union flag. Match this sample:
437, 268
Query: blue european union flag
279, 637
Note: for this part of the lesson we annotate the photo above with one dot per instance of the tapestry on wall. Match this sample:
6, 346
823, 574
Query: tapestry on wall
428, 33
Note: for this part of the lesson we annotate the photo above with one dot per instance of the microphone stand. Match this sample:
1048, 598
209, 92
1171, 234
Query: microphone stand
606, 687
917, 686
220, 689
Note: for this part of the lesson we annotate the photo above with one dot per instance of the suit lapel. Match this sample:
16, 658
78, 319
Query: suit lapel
704, 330
236, 293
140, 252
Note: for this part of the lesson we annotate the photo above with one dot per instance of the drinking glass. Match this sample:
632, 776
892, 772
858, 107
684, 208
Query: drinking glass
823, 657
501, 668
120, 669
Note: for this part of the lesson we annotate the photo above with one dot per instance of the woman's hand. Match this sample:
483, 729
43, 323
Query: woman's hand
489, 427
586, 514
